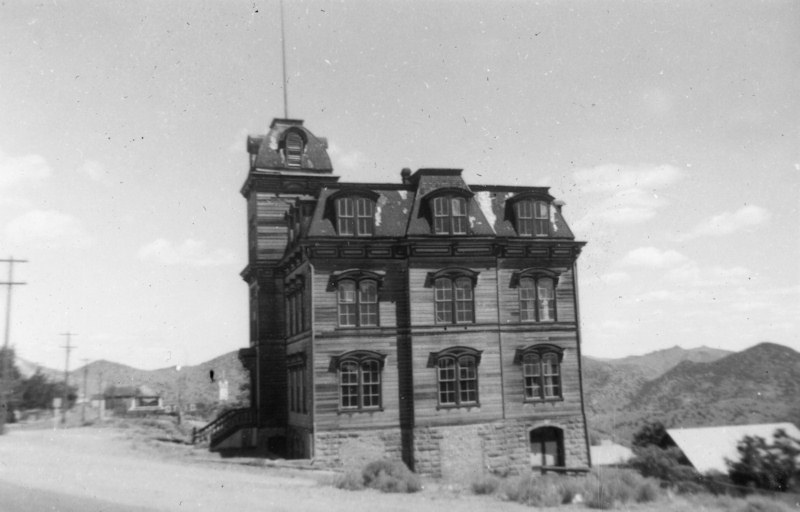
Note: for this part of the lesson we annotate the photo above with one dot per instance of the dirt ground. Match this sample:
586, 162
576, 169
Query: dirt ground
109, 466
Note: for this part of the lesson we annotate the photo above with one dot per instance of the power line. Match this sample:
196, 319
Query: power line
5, 383
69, 347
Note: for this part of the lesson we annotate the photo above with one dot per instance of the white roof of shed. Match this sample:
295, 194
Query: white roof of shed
708, 447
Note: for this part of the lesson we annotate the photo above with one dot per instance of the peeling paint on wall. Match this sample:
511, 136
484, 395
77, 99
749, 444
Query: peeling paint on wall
484, 199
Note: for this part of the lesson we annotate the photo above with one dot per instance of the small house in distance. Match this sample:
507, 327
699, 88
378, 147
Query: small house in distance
427, 319
707, 448
132, 399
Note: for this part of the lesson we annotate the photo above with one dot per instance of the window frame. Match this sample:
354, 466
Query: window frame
361, 308
536, 381
296, 383
447, 211
294, 145
457, 375
367, 392
354, 214
450, 302
536, 307
531, 213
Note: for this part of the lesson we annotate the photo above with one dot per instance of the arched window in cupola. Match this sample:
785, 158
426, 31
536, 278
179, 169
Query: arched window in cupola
293, 149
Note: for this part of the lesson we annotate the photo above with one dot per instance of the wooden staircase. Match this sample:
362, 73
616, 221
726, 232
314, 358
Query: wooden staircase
223, 426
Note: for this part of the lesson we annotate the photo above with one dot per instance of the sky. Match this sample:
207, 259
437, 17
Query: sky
670, 129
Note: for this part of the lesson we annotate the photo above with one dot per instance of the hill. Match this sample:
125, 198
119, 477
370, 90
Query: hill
758, 385
190, 384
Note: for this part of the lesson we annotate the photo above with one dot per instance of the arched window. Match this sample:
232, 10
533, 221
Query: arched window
457, 376
359, 375
537, 296
293, 149
453, 300
547, 447
358, 303
355, 216
541, 372
449, 215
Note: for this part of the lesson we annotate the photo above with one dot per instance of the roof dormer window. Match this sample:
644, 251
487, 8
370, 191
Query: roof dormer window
449, 215
293, 149
530, 214
355, 216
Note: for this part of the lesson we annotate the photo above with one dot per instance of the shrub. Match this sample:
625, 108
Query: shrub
390, 476
540, 491
664, 464
485, 484
350, 481
763, 504
606, 488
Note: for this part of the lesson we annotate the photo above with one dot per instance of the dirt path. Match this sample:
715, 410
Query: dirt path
102, 465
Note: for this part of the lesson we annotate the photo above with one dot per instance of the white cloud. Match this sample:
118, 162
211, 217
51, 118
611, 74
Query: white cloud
629, 193
193, 253
614, 178
342, 160
615, 277
95, 171
49, 228
691, 273
653, 258
21, 170
727, 222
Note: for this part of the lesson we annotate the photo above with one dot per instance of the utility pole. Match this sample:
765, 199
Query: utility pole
85, 389
68, 348
5, 382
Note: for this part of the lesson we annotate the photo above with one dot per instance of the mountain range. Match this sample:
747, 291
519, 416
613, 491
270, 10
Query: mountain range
692, 388
678, 387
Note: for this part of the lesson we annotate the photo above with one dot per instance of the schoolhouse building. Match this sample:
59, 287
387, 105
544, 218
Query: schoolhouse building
427, 319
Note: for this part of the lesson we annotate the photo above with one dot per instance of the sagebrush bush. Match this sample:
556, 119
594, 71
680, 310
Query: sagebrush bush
350, 481
485, 484
390, 476
608, 487
763, 504
539, 491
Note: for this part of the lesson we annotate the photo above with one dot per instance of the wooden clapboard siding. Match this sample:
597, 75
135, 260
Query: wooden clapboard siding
327, 415
509, 296
326, 306
516, 407
426, 401
271, 228
421, 295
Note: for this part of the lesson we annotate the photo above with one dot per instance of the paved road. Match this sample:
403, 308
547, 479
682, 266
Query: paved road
96, 469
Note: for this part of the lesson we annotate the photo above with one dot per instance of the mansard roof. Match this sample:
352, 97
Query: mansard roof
400, 209
266, 150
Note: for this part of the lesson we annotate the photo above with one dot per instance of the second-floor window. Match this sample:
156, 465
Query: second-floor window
355, 216
537, 299
541, 372
453, 300
449, 215
358, 303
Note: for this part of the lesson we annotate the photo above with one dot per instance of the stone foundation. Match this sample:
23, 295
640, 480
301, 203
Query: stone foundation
355, 449
459, 453
456, 453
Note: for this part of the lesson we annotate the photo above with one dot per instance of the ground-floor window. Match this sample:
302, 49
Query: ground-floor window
547, 447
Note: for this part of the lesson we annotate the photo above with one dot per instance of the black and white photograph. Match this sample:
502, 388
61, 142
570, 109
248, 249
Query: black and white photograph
345, 255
